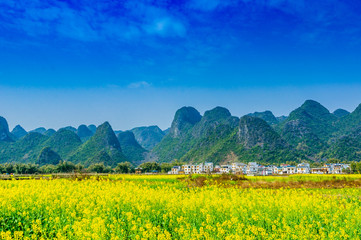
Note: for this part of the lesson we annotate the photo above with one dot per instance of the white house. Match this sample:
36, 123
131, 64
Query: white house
225, 169
336, 168
175, 170
303, 168
187, 169
252, 168
288, 169
239, 168
208, 167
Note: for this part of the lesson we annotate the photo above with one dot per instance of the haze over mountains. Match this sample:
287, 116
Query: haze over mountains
309, 133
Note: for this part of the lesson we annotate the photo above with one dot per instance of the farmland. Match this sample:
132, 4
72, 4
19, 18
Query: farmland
173, 207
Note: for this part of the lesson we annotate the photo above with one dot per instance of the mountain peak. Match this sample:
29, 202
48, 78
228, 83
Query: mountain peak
84, 132
4, 130
40, 130
105, 131
254, 131
340, 113
358, 109
184, 118
266, 115
103, 141
217, 113
311, 105
92, 128
19, 131
218, 117
148, 137
127, 137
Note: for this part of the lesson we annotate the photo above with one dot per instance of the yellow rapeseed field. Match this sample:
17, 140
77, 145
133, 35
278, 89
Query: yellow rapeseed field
161, 207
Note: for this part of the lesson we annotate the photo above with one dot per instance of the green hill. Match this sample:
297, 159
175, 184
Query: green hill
209, 136
217, 120
48, 156
5, 135
179, 140
102, 143
40, 130
251, 140
18, 132
310, 132
341, 113
131, 148
266, 115
25, 150
148, 137
347, 148
84, 133
50, 132
64, 142
308, 128
92, 128
349, 123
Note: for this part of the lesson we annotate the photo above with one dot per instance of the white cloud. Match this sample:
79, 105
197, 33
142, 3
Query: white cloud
166, 27
141, 84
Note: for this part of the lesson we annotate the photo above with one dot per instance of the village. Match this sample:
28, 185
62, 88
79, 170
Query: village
254, 169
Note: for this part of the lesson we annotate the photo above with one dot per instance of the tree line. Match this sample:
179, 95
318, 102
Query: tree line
68, 167
124, 167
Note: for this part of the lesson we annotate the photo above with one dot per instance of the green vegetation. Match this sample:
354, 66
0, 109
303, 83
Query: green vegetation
48, 156
267, 116
64, 142
84, 133
148, 137
310, 133
124, 167
102, 147
349, 123
18, 132
131, 148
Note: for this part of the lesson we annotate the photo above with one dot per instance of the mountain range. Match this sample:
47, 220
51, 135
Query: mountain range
310, 133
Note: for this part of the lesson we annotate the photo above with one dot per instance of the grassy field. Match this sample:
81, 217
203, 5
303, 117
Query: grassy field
181, 207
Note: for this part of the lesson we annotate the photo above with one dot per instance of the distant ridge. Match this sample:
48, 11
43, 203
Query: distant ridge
310, 133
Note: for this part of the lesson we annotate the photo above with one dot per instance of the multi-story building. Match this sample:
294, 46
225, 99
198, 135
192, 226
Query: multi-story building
239, 168
277, 170
208, 167
336, 168
200, 168
288, 169
187, 169
175, 170
252, 168
225, 169
303, 168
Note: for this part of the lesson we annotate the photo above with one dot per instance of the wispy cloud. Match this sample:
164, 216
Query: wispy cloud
141, 84
166, 27
88, 21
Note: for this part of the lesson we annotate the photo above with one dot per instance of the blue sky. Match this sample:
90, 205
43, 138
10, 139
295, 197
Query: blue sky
136, 62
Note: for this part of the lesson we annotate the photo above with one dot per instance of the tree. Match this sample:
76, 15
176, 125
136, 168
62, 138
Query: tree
99, 168
124, 167
65, 167
166, 167
48, 169
177, 162
333, 160
150, 166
